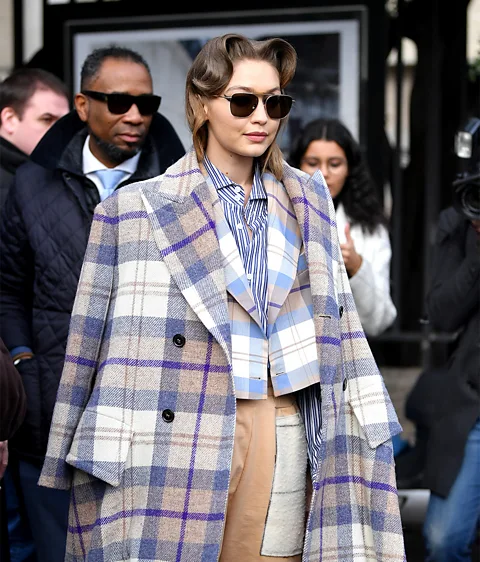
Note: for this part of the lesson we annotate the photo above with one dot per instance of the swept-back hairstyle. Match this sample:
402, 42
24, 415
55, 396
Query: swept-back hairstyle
19, 86
359, 195
93, 62
211, 72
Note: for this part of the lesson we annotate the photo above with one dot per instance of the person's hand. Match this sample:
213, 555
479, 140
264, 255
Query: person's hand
3, 457
352, 260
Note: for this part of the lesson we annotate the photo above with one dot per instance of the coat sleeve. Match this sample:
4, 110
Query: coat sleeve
371, 285
362, 380
16, 272
86, 331
367, 393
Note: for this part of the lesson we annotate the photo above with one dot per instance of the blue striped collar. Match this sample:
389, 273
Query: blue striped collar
220, 180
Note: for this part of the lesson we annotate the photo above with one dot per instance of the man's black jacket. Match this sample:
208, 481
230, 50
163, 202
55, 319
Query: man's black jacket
44, 229
448, 400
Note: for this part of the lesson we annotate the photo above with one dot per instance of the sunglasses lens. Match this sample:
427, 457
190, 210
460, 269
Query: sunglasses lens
121, 103
243, 105
148, 105
279, 106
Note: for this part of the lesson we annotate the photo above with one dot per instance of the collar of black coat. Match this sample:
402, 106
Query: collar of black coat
51, 151
11, 157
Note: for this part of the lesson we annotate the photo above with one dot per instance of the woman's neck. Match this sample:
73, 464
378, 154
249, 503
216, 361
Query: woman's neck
239, 169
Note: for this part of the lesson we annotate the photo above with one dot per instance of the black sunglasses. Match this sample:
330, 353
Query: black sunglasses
147, 104
277, 106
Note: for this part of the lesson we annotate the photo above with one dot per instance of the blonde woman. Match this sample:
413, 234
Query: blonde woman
219, 400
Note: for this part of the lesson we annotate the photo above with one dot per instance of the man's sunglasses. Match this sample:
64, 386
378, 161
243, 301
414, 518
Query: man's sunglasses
277, 106
118, 104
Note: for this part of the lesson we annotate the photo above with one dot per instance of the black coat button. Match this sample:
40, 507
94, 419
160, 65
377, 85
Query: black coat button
178, 340
340, 311
344, 386
168, 416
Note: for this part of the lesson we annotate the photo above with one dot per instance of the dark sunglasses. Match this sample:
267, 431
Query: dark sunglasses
147, 104
277, 106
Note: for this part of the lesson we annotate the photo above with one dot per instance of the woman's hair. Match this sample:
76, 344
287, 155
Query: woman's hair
358, 195
211, 72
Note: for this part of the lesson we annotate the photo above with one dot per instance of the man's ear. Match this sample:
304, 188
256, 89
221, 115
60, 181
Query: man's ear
81, 105
9, 120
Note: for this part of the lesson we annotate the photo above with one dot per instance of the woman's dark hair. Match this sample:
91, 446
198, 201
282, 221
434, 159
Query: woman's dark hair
359, 195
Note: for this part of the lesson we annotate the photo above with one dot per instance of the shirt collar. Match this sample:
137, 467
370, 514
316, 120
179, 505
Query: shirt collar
220, 180
92, 164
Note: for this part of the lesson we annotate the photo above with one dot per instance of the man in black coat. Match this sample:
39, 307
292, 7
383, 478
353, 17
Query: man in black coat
115, 130
452, 463
31, 101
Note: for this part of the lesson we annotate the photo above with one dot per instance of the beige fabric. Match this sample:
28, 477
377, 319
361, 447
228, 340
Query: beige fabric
251, 479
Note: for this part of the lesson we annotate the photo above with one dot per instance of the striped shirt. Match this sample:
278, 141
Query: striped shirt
252, 249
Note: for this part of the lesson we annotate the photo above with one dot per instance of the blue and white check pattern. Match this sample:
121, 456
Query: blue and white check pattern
253, 251
288, 350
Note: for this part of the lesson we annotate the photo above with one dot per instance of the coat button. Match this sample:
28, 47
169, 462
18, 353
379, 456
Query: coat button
344, 386
168, 416
178, 340
340, 311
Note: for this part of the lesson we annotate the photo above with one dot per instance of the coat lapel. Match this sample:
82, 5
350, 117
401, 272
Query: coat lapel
283, 246
180, 209
321, 249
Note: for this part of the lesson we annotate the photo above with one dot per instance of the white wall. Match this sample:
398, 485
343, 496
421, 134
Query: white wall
32, 32
6, 37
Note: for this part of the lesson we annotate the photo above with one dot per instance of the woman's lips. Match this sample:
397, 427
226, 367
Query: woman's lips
256, 137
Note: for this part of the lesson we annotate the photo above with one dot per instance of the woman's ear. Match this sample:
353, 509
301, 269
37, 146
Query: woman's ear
205, 107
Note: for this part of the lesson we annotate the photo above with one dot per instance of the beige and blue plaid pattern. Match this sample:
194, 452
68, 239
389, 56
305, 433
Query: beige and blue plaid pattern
148, 488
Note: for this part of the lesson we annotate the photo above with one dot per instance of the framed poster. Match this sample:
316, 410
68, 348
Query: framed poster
331, 44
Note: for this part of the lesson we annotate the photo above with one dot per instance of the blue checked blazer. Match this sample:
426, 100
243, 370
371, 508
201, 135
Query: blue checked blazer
144, 422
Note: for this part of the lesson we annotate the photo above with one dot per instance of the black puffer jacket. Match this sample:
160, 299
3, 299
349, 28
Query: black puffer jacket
44, 230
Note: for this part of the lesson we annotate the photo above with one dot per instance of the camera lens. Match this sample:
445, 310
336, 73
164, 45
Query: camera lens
469, 200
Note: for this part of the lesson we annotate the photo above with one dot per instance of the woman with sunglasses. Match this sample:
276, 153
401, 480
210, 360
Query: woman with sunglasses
327, 145
219, 400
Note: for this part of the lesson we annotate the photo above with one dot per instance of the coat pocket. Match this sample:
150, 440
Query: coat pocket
100, 446
373, 410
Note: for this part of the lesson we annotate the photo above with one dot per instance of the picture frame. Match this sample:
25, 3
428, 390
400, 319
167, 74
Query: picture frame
331, 43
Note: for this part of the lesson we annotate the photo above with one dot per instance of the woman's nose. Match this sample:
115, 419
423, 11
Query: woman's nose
324, 169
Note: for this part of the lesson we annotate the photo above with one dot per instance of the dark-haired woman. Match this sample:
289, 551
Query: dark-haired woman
327, 145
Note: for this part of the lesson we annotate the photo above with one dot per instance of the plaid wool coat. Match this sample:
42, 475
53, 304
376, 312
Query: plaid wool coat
144, 422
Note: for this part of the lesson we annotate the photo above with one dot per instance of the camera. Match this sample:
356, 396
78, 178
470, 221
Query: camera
466, 194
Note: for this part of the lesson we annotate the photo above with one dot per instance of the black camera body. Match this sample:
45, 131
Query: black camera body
466, 187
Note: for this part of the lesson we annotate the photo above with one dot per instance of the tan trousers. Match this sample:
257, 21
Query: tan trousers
251, 479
